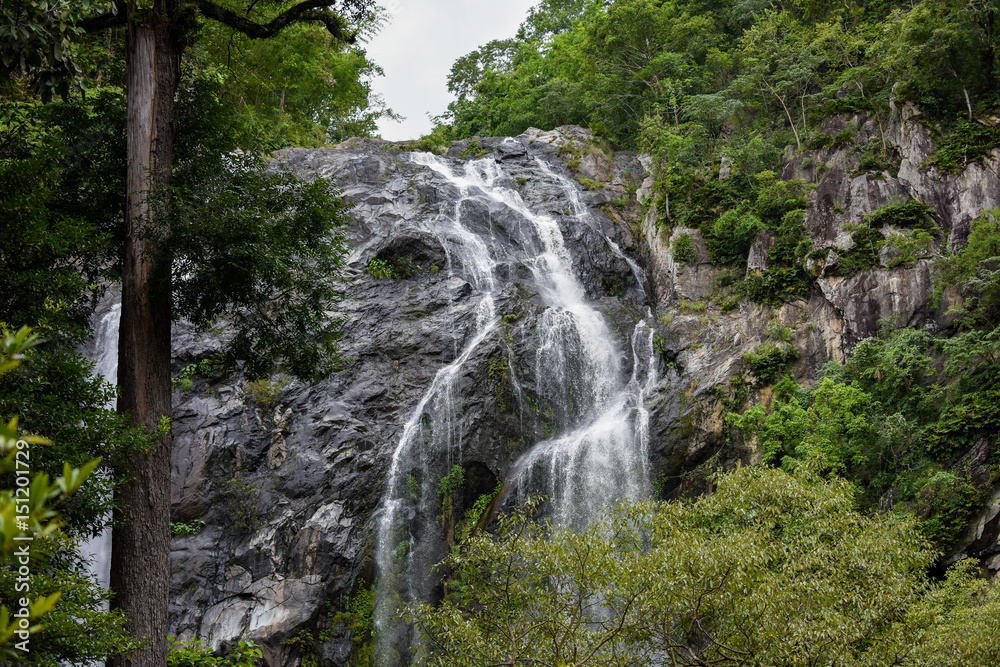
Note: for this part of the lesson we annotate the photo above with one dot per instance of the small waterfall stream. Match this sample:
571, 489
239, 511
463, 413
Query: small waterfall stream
591, 391
104, 352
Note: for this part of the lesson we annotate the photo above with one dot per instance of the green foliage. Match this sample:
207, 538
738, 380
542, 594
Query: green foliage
211, 366
768, 361
359, 618
38, 37
412, 487
774, 286
192, 653
475, 513
66, 619
731, 235
683, 249
60, 194
864, 253
275, 302
834, 423
735, 565
960, 425
56, 394
282, 85
379, 269
241, 499
382, 269
181, 529
838, 141
895, 366
975, 270
266, 393
61, 242
184, 381
946, 504
78, 628
451, 483
908, 246
911, 215
967, 143
474, 150
449, 487
890, 419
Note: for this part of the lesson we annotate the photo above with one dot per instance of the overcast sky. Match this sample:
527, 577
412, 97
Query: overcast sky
420, 43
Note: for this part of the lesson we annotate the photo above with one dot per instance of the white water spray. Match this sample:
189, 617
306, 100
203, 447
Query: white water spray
586, 399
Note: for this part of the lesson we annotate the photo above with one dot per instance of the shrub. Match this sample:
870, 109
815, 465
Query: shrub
683, 249
773, 286
909, 247
969, 142
946, 504
181, 529
863, 255
192, 653
769, 360
265, 392
379, 269
911, 215
731, 235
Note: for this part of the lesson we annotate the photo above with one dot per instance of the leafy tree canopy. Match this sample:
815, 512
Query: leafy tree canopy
772, 568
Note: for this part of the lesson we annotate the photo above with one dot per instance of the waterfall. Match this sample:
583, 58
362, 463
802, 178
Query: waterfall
590, 391
104, 352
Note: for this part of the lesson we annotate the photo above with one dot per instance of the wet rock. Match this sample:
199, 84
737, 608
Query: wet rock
288, 489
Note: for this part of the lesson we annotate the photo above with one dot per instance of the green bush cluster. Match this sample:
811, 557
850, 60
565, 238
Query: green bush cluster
775, 286
901, 416
731, 568
211, 366
184, 529
683, 249
912, 215
965, 142
402, 268
266, 392
768, 361
193, 653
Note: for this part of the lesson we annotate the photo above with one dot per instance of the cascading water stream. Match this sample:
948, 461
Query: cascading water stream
590, 402
105, 355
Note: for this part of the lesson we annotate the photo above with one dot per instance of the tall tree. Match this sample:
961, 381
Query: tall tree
156, 35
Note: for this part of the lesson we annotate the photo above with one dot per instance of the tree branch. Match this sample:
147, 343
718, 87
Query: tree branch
309, 10
106, 21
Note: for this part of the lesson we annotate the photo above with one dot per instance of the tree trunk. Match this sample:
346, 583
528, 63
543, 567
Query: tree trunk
141, 537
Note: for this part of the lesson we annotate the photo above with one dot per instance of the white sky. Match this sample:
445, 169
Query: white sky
418, 46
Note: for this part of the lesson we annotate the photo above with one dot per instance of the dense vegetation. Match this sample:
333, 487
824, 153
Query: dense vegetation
770, 569
719, 92
911, 417
63, 202
723, 96
702, 70
779, 565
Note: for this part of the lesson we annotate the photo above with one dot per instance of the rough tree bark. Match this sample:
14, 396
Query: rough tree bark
140, 558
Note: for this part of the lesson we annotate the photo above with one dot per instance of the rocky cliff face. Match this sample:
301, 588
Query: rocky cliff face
840, 310
292, 480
